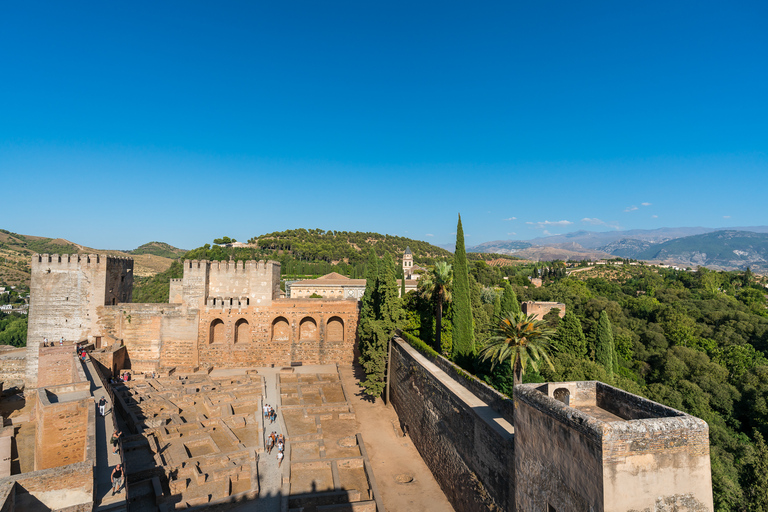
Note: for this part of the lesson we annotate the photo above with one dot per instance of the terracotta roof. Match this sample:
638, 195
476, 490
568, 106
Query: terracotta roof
332, 275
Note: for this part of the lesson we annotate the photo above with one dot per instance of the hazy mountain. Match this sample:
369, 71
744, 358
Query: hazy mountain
718, 250
627, 247
597, 239
499, 246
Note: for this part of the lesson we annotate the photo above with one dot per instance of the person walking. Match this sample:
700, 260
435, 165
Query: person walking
117, 478
115, 440
270, 444
102, 406
280, 456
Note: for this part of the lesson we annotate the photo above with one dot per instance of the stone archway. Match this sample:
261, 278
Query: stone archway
281, 329
307, 329
242, 331
563, 395
217, 333
334, 330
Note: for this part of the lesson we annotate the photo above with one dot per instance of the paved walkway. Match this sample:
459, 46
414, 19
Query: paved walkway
105, 459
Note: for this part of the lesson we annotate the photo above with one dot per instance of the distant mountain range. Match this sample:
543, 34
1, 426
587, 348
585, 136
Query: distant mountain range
724, 249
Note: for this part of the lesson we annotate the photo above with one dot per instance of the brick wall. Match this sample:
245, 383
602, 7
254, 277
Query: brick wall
471, 461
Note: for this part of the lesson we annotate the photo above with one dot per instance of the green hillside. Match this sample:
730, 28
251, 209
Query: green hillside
159, 249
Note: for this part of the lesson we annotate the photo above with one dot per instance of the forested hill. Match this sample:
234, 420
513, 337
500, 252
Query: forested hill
159, 249
351, 247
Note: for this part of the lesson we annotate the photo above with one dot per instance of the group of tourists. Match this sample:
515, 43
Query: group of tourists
269, 414
47, 343
276, 440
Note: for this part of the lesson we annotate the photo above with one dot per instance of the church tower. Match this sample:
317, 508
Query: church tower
408, 264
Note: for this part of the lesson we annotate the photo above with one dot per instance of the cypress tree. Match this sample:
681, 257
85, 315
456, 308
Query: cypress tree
509, 303
383, 315
463, 329
497, 306
604, 343
402, 287
570, 337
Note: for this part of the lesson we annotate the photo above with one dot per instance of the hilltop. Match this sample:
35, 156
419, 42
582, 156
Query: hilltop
17, 249
159, 249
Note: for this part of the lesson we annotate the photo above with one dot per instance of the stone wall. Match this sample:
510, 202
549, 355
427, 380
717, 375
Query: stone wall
68, 488
646, 457
13, 366
471, 460
542, 308
110, 359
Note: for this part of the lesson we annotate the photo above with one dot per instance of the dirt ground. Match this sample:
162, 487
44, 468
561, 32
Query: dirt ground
392, 456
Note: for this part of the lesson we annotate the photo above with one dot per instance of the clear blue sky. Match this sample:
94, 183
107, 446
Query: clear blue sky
125, 122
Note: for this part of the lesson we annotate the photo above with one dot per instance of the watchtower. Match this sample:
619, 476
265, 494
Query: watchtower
408, 264
65, 293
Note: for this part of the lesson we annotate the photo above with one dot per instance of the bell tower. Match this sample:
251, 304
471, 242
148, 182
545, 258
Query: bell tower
408, 263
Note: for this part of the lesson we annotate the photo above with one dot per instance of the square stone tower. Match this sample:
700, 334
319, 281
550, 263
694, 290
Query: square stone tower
65, 294
588, 446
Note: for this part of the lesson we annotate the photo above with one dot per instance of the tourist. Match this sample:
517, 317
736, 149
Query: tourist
266, 411
280, 458
61, 341
102, 406
272, 415
117, 478
270, 444
115, 440
45, 342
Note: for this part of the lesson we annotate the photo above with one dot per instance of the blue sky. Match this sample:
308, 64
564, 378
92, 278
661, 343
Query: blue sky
122, 123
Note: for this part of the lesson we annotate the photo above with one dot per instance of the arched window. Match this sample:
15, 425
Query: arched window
308, 329
563, 395
242, 331
281, 330
217, 334
334, 330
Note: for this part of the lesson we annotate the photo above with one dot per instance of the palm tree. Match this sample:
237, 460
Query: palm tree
521, 339
436, 286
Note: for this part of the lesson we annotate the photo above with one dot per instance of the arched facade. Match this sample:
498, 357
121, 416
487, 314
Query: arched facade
334, 330
563, 395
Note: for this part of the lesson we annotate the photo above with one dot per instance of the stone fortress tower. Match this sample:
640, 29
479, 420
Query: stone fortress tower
66, 292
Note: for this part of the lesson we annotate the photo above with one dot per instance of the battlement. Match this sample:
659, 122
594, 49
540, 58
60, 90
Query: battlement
75, 260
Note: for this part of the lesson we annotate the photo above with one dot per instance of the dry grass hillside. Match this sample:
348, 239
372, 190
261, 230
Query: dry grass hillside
16, 251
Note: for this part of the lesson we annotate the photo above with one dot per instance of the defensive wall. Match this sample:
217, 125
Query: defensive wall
466, 443
562, 447
539, 309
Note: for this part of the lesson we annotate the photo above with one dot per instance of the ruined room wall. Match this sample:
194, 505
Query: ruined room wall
542, 308
56, 365
154, 335
558, 459
472, 463
656, 459
67, 486
111, 359
62, 431
257, 344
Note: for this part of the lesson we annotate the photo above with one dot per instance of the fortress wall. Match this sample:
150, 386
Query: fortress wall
195, 283
308, 331
558, 460
472, 462
153, 332
542, 308
176, 291
254, 280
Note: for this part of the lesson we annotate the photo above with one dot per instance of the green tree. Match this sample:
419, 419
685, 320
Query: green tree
570, 337
383, 316
463, 328
509, 302
604, 351
436, 286
523, 341
755, 483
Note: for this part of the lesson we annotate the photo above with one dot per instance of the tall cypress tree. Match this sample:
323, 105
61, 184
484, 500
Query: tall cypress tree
570, 337
383, 315
509, 302
463, 329
604, 351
